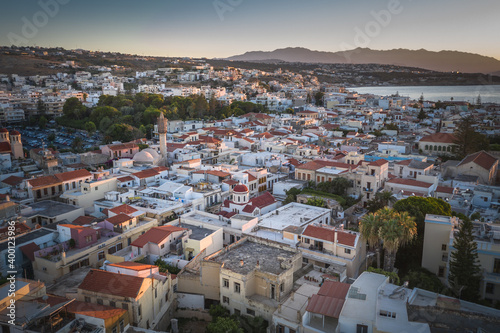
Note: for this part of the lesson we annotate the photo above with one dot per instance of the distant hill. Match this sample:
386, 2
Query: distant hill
443, 61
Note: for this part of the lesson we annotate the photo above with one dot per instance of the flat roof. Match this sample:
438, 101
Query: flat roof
293, 214
249, 253
25, 238
49, 208
198, 233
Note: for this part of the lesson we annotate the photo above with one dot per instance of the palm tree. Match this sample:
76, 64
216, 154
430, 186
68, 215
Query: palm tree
397, 229
369, 227
386, 198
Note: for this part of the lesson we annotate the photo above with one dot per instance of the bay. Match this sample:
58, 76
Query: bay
488, 93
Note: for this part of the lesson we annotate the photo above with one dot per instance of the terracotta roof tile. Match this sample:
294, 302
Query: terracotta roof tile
125, 209
118, 219
439, 138
409, 182
44, 181
70, 175
13, 180
136, 266
112, 283
263, 200
156, 235
482, 158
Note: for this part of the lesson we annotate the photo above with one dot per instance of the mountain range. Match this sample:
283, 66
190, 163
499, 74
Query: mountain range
443, 61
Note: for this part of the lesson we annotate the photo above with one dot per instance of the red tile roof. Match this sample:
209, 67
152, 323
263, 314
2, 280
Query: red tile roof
251, 177
439, 138
409, 182
123, 146
44, 181
482, 158
328, 234
118, 219
156, 235
263, 200
70, 175
379, 162
99, 281
217, 173
85, 309
29, 250
125, 179
82, 220
125, 209
13, 180
445, 189
329, 300
136, 266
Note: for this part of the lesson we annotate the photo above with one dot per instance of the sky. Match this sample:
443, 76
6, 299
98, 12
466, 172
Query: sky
222, 28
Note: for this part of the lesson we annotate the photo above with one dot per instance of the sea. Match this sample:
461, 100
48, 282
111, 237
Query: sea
488, 93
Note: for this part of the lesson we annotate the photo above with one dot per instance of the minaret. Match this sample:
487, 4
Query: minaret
162, 134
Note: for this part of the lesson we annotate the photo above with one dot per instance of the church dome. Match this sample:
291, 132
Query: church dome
144, 157
240, 189
4, 130
14, 132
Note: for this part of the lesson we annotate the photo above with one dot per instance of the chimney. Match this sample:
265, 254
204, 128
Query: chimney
241, 263
63, 257
258, 265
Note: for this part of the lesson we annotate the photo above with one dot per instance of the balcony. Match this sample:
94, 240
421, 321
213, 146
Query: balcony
367, 189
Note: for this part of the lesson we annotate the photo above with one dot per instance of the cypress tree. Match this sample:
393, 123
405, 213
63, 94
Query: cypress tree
465, 271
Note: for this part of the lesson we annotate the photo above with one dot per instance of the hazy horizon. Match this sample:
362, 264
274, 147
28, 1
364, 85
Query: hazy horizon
224, 28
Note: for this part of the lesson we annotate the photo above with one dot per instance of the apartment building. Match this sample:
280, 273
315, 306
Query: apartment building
440, 232
250, 283
55, 261
140, 289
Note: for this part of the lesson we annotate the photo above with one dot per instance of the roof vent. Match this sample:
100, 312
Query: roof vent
241, 263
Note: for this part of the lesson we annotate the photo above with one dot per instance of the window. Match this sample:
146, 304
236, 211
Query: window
282, 287
250, 312
112, 303
125, 306
490, 288
347, 251
99, 301
88, 239
441, 271
237, 312
101, 255
388, 314
162, 246
225, 283
237, 288
306, 240
87, 299
225, 299
443, 247
122, 325
496, 266
305, 260
115, 329
139, 308
156, 293
444, 257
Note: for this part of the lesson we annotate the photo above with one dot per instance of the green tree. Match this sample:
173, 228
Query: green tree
465, 272
77, 144
410, 255
386, 197
291, 195
42, 122
397, 229
423, 279
422, 115
318, 97
224, 325
467, 140
51, 137
369, 227
90, 127
315, 201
